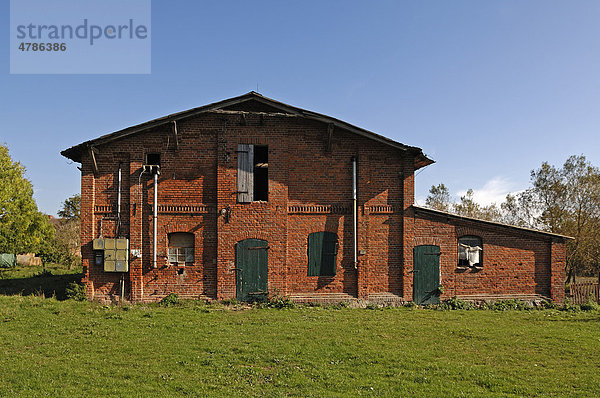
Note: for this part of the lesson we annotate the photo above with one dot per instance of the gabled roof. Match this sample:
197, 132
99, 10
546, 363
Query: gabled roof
270, 105
426, 210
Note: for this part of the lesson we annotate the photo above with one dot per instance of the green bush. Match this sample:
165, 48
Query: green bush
570, 307
547, 305
169, 300
75, 291
455, 304
511, 304
340, 305
58, 254
590, 304
230, 301
276, 301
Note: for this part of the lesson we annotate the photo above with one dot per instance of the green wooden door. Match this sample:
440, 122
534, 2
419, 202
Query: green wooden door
251, 275
426, 274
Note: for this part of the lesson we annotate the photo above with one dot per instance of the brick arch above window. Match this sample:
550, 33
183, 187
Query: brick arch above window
419, 241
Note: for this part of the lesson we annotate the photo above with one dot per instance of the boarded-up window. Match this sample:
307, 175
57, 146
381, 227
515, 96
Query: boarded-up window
470, 251
181, 248
322, 253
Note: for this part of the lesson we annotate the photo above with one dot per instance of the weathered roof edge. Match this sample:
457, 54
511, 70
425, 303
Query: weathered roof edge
74, 152
495, 223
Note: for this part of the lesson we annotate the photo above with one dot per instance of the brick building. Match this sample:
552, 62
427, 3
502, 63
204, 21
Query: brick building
250, 195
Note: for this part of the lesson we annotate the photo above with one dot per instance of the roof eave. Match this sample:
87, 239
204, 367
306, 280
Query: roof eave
494, 223
75, 153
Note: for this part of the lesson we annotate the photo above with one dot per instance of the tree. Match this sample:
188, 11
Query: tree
468, 207
71, 208
438, 198
564, 201
68, 228
22, 227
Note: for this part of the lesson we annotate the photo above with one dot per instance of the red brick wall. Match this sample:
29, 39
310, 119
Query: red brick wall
302, 175
204, 172
515, 262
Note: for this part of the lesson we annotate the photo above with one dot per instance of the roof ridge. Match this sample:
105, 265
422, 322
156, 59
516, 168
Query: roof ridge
75, 152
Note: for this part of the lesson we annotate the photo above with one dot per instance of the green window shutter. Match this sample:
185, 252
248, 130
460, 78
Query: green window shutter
322, 254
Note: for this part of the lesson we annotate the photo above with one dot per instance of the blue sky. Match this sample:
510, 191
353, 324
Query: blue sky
489, 90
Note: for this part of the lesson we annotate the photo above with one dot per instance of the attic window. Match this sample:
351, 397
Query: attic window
153, 159
252, 173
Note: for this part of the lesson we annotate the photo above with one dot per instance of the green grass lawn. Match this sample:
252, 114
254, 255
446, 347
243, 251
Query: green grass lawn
68, 348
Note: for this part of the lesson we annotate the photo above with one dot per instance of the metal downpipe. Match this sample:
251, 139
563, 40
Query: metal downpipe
354, 213
155, 220
119, 204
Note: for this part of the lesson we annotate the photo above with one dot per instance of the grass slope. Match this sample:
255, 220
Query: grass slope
48, 347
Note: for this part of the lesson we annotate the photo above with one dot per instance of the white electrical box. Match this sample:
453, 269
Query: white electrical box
114, 253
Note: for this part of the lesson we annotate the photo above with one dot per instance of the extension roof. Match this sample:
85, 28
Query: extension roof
447, 215
250, 102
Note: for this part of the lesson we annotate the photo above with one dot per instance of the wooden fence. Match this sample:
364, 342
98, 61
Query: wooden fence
580, 292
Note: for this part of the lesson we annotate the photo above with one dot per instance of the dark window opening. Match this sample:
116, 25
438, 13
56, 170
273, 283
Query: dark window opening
181, 248
322, 253
261, 173
470, 251
153, 159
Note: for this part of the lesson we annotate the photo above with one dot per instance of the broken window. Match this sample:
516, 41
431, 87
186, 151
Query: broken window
261, 173
470, 251
253, 173
181, 248
322, 253
153, 159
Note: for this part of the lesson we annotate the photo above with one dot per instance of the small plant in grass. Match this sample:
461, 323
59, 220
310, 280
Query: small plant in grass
169, 300
590, 304
511, 304
340, 305
568, 306
455, 304
410, 304
75, 291
547, 305
276, 301
230, 301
